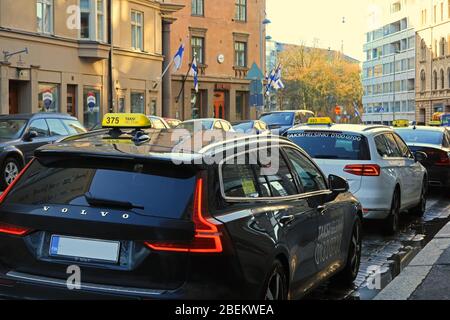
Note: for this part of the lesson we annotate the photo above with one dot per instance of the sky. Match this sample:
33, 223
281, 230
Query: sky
319, 22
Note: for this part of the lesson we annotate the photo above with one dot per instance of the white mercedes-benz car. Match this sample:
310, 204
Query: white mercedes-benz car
385, 176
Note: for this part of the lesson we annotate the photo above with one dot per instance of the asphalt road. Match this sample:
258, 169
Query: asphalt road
389, 255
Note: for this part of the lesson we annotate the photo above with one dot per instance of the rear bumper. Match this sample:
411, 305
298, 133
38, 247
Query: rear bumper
376, 201
439, 176
25, 286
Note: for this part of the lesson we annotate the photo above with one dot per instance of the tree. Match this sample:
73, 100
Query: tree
318, 79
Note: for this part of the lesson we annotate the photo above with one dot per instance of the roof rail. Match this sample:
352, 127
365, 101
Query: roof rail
376, 127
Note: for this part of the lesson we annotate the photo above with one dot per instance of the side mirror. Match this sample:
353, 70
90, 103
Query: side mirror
420, 156
30, 135
338, 184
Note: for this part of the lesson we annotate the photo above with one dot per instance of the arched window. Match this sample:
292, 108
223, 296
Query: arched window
448, 77
435, 80
442, 79
423, 47
423, 81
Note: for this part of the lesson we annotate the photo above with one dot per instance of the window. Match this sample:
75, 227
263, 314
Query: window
396, 7
404, 149
442, 11
48, 98
386, 146
309, 176
281, 183
241, 100
92, 20
44, 16
198, 49
442, 45
423, 81
442, 79
423, 48
100, 20
197, 7
40, 127
137, 102
91, 107
56, 127
137, 34
241, 10
239, 181
240, 52
73, 126
85, 16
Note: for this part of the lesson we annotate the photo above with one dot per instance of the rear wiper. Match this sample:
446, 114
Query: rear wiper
97, 202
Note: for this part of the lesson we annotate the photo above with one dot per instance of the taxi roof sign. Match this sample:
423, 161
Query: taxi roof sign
319, 121
400, 123
435, 123
126, 120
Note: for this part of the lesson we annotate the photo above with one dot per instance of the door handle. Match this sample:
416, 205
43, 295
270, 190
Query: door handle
287, 220
322, 209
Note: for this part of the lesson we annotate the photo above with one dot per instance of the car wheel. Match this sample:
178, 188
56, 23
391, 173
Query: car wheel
420, 209
10, 171
276, 284
391, 224
348, 275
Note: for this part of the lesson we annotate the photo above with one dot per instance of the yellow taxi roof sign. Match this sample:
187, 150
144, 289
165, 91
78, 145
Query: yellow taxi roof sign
126, 120
320, 120
400, 123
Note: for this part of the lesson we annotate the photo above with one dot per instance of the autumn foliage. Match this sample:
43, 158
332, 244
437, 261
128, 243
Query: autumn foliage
318, 80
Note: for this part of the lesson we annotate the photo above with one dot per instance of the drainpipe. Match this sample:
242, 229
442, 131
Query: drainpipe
110, 60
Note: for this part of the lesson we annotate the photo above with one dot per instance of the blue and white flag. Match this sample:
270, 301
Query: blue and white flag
357, 114
178, 58
274, 80
194, 72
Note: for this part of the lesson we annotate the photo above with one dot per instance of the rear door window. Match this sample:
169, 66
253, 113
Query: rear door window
57, 128
160, 191
279, 178
404, 149
386, 146
332, 145
239, 181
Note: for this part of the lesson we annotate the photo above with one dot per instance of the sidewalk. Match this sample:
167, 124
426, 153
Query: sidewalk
427, 277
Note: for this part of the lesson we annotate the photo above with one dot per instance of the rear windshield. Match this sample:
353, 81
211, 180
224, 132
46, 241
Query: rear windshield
421, 136
155, 191
193, 126
332, 145
278, 118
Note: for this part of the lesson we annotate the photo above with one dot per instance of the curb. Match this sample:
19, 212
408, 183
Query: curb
404, 285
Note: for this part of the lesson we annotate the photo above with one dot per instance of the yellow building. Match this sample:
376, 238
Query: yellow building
64, 58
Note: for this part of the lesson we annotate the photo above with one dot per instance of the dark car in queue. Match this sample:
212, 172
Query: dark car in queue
22, 134
206, 124
435, 142
279, 122
251, 127
140, 222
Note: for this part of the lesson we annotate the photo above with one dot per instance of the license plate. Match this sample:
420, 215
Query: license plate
100, 250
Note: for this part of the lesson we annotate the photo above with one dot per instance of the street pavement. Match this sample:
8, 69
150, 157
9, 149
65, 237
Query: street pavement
388, 257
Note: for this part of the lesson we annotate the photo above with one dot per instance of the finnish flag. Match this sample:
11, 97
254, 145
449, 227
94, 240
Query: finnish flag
178, 58
357, 114
194, 72
278, 84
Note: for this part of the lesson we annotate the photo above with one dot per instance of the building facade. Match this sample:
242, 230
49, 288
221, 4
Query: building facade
66, 58
228, 38
389, 69
433, 60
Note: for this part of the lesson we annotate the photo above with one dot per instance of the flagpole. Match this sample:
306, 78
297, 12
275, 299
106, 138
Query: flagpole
184, 80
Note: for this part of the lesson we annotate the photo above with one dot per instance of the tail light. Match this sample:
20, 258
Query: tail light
367, 170
7, 228
443, 159
207, 237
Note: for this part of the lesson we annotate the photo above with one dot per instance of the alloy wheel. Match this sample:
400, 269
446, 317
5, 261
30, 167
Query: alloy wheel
275, 287
356, 247
11, 172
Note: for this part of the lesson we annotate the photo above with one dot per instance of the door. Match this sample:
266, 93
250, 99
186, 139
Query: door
413, 170
71, 100
219, 105
43, 137
329, 248
13, 98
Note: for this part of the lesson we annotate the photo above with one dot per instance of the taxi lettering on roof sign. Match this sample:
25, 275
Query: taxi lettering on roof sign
400, 123
126, 120
323, 120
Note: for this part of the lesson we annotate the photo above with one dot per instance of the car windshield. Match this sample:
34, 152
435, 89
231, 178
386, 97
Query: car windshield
278, 118
446, 120
332, 145
243, 126
11, 128
196, 125
421, 136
